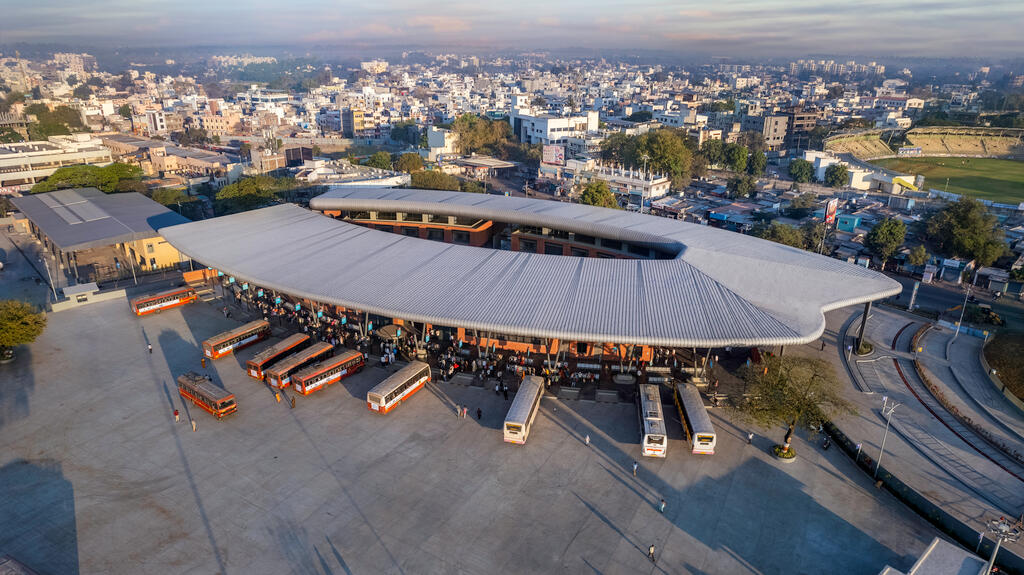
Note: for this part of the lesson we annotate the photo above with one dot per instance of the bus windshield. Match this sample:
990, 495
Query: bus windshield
656, 439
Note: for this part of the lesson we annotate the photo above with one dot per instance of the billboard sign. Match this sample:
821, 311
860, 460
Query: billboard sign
830, 210
554, 155
909, 151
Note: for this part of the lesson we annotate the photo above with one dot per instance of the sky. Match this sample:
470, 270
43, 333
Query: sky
737, 28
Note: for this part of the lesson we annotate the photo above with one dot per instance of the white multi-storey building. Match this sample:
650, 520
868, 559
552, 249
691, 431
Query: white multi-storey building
25, 163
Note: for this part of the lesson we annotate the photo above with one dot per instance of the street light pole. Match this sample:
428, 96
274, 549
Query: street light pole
42, 260
887, 410
967, 296
1003, 530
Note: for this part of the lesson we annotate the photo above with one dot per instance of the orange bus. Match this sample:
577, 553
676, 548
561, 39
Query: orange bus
201, 391
280, 374
328, 371
398, 387
235, 339
291, 344
156, 303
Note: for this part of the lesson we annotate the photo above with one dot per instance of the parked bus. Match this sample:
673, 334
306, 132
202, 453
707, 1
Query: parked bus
259, 362
235, 339
280, 374
653, 441
398, 387
328, 371
201, 391
696, 424
156, 303
524, 409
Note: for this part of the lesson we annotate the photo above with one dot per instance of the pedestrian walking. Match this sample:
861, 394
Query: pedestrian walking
750, 438
635, 467
149, 346
177, 417
293, 402
505, 391
823, 345
650, 554
661, 506
193, 425
587, 440
496, 386
479, 413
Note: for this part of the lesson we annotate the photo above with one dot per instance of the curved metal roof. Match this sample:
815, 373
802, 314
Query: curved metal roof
722, 288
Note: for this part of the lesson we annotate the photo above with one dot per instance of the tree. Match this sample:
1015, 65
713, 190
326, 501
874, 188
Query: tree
757, 163
617, 148
640, 116
885, 238
596, 193
802, 205
245, 150
782, 234
815, 234
801, 170
19, 323
965, 229
713, 151
82, 92
9, 136
539, 101
125, 111
735, 157
409, 163
792, 391
434, 180
741, 186
379, 160
918, 256
249, 193
471, 187
106, 178
667, 154
837, 176
753, 141
191, 137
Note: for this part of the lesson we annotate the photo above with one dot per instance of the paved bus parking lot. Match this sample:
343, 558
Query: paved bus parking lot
98, 478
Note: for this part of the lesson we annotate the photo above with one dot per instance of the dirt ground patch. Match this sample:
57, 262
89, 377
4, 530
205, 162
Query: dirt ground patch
1004, 354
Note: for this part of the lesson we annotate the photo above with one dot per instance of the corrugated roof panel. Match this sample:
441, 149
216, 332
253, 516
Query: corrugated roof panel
723, 289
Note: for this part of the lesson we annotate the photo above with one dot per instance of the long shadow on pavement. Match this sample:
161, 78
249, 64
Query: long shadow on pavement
18, 384
37, 516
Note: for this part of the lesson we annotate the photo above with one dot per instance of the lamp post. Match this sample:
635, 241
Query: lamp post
967, 296
46, 265
887, 409
1003, 530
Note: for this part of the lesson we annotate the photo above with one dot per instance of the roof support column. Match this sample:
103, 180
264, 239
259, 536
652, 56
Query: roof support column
863, 324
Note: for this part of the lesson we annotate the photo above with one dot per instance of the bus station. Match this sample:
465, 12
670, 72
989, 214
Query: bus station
540, 481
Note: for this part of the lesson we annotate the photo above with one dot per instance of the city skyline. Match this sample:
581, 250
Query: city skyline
775, 28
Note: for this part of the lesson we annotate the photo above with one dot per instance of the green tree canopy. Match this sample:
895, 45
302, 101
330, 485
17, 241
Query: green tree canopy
814, 235
792, 391
60, 120
735, 157
641, 116
434, 180
379, 160
596, 193
250, 193
116, 177
193, 136
742, 186
713, 150
409, 163
885, 238
19, 323
757, 163
965, 229
753, 141
82, 92
9, 135
666, 152
125, 111
918, 256
782, 234
802, 205
801, 170
406, 132
471, 187
837, 176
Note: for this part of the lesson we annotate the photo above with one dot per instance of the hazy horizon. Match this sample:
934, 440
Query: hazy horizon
743, 28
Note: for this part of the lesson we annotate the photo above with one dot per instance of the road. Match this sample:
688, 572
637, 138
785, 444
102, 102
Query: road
941, 296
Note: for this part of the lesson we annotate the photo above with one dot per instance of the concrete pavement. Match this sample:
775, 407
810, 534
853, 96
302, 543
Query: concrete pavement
100, 479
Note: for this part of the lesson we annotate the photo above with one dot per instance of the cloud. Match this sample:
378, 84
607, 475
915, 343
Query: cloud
549, 21
439, 24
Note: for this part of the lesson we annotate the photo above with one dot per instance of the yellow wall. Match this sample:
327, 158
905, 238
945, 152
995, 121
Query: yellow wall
163, 252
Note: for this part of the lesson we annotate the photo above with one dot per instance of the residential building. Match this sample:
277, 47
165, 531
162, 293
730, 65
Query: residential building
773, 128
441, 142
532, 128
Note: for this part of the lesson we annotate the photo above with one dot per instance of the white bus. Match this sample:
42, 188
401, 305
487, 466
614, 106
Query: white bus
398, 387
700, 434
524, 409
653, 441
